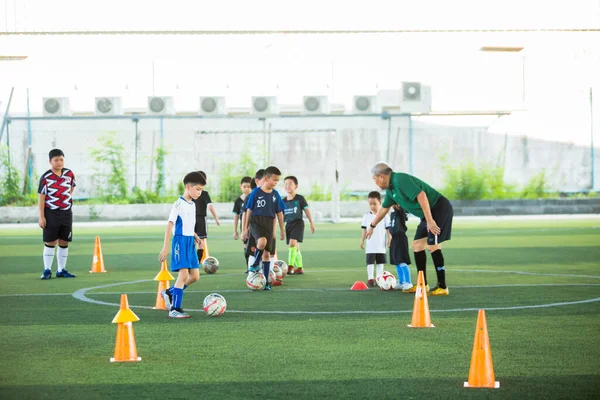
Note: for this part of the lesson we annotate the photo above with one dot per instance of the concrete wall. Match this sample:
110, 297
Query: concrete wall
321, 211
304, 147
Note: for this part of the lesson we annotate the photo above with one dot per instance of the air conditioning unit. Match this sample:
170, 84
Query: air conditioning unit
416, 97
365, 105
315, 105
212, 106
160, 105
108, 106
264, 105
56, 106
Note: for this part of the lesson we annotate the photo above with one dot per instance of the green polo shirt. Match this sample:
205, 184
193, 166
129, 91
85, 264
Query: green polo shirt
404, 189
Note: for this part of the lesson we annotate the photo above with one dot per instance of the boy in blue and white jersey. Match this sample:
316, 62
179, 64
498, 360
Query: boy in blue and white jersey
264, 205
184, 259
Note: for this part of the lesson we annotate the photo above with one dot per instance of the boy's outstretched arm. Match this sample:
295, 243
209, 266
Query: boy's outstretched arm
245, 222
310, 220
165, 250
214, 214
281, 227
236, 218
380, 215
362, 239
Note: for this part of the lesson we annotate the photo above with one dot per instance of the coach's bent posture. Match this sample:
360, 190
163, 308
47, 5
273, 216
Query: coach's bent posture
421, 200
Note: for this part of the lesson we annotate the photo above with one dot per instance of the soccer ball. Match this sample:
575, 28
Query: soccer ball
386, 281
214, 304
211, 265
272, 277
283, 266
278, 275
256, 281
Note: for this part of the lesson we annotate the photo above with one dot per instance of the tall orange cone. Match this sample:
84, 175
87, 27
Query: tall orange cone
98, 260
125, 349
420, 316
481, 373
163, 278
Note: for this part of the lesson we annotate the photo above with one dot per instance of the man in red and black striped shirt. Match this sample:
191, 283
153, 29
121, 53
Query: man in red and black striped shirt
56, 215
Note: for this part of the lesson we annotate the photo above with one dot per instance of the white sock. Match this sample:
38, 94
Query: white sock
61, 257
370, 269
379, 270
251, 260
48, 257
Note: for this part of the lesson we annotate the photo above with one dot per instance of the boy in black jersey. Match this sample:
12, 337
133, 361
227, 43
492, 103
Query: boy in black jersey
295, 204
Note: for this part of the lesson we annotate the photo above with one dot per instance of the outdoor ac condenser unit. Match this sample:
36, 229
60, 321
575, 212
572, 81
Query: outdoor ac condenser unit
56, 106
212, 105
108, 106
264, 105
416, 98
365, 105
315, 105
158, 105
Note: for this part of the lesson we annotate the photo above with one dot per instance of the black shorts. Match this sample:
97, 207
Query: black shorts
263, 227
200, 227
399, 252
59, 225
442, 213
294, 230
375, 258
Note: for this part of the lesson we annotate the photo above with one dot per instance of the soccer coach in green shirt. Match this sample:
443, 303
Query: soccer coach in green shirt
423, 201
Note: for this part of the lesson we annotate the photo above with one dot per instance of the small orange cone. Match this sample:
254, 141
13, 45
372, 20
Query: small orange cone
98, 260
481, 373
125, 349
421, 317
359, 285
163, 278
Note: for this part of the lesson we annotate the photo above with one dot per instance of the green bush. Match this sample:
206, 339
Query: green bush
11, 193
537, 187
230, 175
113, 186
318, 193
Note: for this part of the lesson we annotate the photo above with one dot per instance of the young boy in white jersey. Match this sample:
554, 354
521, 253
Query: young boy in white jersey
378, 242
184, 258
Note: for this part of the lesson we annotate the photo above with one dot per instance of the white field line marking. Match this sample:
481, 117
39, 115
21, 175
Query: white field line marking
81, 295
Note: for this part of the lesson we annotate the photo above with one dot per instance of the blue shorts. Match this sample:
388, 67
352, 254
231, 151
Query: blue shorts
183, 253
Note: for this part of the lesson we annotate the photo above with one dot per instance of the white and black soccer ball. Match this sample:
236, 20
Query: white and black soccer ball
256, 281
278, 275
214, 304
283, 266
211, 265
386, 281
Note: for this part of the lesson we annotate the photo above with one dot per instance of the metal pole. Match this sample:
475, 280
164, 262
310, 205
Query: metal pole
593, 155
8, 150
162, 146
389, 144
29, 146
410, 147
5, 119
135, 178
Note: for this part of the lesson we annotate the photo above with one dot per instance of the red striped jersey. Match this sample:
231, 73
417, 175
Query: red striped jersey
57, 189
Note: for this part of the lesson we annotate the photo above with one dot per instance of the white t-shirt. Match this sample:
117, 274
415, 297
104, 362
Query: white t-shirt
183, 217
378, 241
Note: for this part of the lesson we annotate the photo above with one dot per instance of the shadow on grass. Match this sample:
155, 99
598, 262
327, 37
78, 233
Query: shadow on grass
544, 387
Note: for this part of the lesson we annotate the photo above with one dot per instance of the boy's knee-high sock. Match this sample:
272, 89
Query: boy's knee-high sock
257, 256
48, 256
61, 257
370, 270
170, 290
246, 256
440, 270
379, 270
299, 263
406, 271
421, 261
177, 297
266, 269
200, 253
292, 255
400, 273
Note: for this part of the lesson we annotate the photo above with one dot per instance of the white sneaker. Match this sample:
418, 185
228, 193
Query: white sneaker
407, 286
399, 286
178, 314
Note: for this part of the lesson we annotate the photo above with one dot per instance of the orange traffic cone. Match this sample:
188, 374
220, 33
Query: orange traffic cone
481, 373
359, 285
421, 317
163, 279
125, 349
98, 260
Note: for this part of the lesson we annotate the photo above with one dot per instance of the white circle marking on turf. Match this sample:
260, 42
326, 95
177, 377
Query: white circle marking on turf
81, 295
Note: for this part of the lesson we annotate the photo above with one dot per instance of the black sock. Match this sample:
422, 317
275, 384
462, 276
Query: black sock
258, 257
421, 262
440, 270
246, 256
200, 253
266, 270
